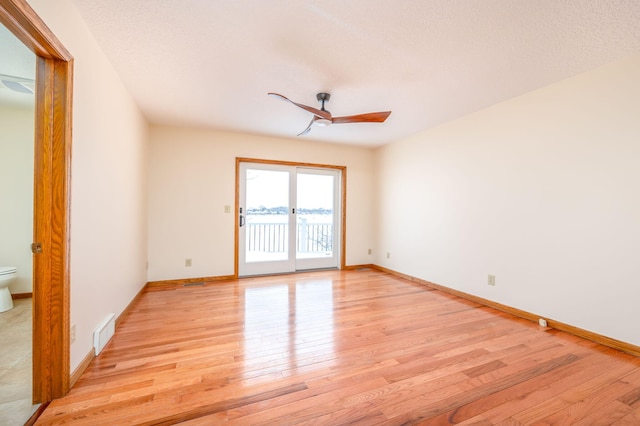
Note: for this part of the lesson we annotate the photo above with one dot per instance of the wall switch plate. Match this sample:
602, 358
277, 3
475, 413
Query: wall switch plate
491, 280
227, 209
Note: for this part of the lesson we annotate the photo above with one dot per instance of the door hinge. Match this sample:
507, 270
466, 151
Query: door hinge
36, 248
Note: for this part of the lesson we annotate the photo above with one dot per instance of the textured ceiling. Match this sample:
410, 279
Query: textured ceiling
210, 63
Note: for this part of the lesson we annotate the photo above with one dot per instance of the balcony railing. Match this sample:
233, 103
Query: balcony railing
273, 237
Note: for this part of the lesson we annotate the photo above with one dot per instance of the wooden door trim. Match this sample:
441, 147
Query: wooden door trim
343, 201
52, 165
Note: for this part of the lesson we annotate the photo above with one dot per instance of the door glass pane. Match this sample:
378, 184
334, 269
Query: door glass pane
314, 216
267, 215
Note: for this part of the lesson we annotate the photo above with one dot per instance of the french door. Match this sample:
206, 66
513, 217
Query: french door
288, 218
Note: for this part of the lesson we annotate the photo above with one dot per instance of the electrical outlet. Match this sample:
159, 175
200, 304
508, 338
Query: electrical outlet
542, 322
492, 280
187, 262
369, 251
227, 209
72, 333
388, 255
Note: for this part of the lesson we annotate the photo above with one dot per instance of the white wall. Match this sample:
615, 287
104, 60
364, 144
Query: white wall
192, 178
541, 191
108, 183
16, 193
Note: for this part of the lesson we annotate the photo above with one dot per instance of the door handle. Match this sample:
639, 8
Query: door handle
241, 221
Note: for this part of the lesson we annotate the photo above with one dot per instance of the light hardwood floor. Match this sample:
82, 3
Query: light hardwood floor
343, 347
15, 364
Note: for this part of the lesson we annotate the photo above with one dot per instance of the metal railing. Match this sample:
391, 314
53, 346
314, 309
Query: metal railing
267, 237
272, 237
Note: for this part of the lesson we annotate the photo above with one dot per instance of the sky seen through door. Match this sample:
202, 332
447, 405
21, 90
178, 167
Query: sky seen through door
314, 191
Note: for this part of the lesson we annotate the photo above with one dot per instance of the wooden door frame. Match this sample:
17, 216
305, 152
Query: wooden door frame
343, 200
52, 166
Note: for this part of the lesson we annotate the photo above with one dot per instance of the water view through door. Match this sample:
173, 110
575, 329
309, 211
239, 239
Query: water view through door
288, 218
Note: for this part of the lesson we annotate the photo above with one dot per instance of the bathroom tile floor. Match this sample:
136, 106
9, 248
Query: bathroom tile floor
15, 364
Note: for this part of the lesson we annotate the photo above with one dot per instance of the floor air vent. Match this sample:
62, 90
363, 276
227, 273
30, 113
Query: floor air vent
193, 284
104, 333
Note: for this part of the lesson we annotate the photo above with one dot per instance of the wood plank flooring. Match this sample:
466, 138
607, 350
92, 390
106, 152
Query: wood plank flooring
15, 364
343, 347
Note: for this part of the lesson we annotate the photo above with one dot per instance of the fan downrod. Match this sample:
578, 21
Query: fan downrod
322, 98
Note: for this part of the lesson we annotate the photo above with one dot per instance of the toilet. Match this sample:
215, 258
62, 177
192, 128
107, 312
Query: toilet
7, 274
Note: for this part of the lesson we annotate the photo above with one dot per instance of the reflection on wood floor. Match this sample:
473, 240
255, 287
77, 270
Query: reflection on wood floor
343, 347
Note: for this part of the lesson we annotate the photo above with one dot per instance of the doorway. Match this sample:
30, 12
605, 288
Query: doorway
17, 75
290, 217
52, 165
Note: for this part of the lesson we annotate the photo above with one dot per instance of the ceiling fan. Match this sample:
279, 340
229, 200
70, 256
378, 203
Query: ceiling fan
322, 117
17, 84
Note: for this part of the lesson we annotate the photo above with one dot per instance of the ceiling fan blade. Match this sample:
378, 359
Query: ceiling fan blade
17, 87
17, 84
314, 111
372, 117
305, 131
